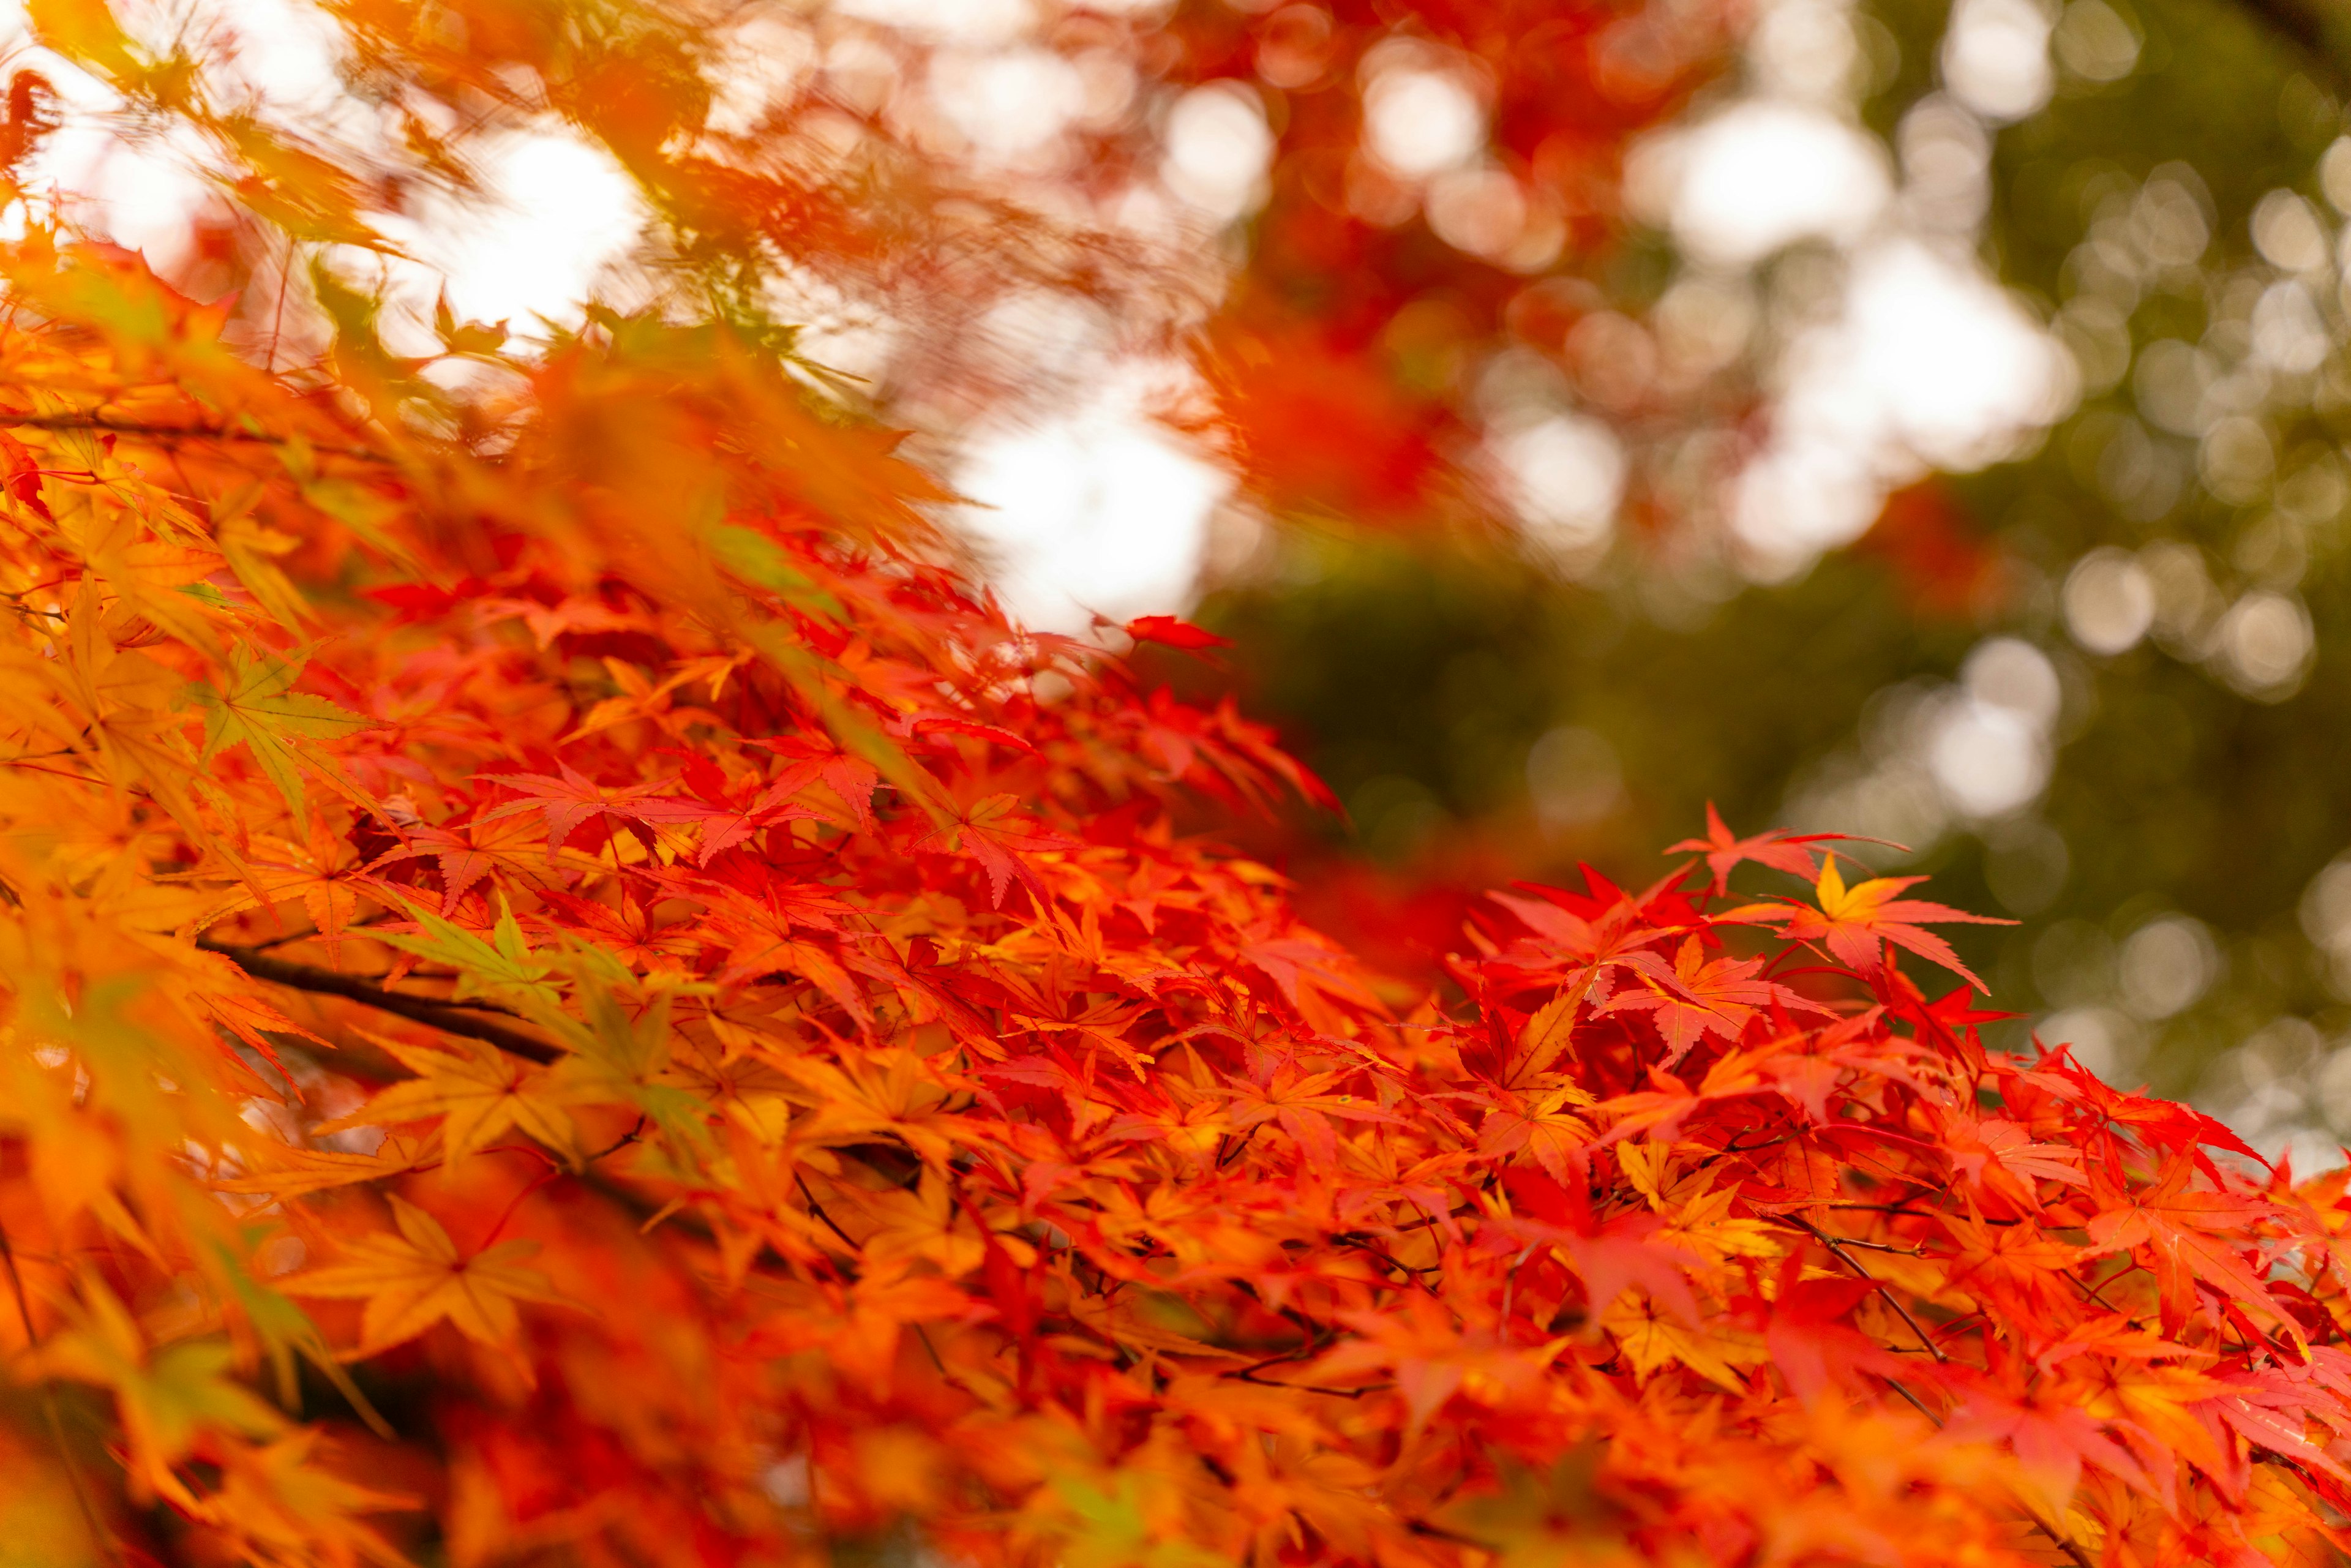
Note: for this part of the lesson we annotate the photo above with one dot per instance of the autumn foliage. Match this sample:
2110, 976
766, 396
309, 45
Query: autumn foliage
597, 1005
571, 993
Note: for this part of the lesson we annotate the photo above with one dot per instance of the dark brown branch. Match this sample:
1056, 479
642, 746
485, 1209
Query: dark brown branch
162, 433
449, 1018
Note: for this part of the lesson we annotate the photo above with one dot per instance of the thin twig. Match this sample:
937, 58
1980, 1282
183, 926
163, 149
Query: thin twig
818, 1209
2081, 1559
1825, 1239
1245, 1376
1895, 1384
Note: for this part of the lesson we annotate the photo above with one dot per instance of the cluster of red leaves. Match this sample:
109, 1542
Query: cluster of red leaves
714, 1048
1340, 356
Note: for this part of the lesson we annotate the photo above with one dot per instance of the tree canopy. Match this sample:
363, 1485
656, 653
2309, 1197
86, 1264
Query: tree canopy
571, 992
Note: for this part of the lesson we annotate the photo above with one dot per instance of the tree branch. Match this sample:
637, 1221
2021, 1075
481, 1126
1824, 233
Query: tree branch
162, 433
449, 1018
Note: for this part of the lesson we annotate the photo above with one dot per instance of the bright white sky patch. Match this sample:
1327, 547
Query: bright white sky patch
561, 212
1419, 122
1564, 475
1763, 175
1218, 145
968, 22
1096, 505
1959, 369
557, 210
1102, 510
1996, 58
1929, 364
1009, 102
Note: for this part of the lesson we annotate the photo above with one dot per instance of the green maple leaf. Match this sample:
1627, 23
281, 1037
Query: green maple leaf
504, 966
260, 710
755, 557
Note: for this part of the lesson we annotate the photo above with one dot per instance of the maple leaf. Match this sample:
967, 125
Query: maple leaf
285, 1506
629, 933
762, 950
291, 1172
416, 1278
1303, 968
890, 1093
639, 698
1807, 1338
1609, 1257
1695, 998
723, 827
932, 723
1175, 632
1548, 1033
2165, 1123
469, 851
479, 1092
1430, 1356
258, 709
571, 798
1855, 922
1776, 848
992, 836
503, 966
1540, 1123
1133, 1222
1652, 1341
2192, 1238
24, 481
166, 1394
2271, 1410
859, 1325
2051, 1442
1300, 1104
1997, 1144
319, 875
849, 777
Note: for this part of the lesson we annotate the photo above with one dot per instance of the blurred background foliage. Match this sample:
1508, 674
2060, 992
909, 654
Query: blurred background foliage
2103, 685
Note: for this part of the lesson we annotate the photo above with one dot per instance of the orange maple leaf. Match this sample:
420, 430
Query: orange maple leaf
415, 1280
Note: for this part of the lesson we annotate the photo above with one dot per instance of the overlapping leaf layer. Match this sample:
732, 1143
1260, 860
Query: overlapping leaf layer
575, 997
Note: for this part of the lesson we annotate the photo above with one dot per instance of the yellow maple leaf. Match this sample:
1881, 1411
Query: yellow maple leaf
413, 1281
275, 1499
1652, 1339
282, 1171
477, 1093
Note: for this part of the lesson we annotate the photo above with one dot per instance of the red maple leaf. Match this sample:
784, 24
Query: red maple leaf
1855, 922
